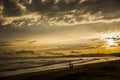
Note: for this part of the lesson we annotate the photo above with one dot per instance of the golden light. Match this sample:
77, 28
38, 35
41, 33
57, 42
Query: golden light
111, 42
110, 38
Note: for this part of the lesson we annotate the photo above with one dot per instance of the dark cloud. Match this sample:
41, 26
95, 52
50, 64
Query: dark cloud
20, 40
115, 38
105, 6
96, 39
55, 53
54, 11
32, 41
20, 52
5, 44
11, 8
24, 52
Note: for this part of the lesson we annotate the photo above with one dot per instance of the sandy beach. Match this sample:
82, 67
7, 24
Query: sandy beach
66, 73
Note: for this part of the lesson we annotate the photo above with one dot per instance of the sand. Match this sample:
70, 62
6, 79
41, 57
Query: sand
71, 74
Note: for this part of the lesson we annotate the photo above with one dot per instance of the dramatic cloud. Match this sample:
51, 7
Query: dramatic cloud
57, 12
38, 24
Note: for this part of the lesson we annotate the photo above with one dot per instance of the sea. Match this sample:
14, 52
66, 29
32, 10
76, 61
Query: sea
15, 66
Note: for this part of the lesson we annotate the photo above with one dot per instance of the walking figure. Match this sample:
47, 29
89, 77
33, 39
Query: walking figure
70, 65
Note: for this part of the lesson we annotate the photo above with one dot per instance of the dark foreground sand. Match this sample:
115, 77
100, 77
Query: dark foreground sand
98, 71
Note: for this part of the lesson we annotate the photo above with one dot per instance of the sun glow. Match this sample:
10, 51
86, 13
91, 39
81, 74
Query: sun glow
111, 38
111, 42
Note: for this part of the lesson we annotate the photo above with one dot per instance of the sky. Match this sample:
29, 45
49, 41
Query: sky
92, 26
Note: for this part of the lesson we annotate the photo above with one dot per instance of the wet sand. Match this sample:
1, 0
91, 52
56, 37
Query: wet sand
77, 73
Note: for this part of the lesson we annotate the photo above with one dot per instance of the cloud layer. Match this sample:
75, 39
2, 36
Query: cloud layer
34, 23
56, 12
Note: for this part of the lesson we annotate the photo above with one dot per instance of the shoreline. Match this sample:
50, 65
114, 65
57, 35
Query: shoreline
50, 74
77, 62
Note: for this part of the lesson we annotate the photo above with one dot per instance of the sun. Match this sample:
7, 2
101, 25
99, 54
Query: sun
111, 42
111, 38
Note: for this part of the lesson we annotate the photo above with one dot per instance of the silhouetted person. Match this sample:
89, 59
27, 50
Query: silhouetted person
70, 65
